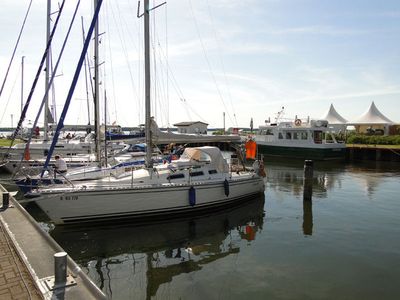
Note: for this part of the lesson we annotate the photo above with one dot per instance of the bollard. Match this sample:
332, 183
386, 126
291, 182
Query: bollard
60, 280
308, 180
6, 199
60, 268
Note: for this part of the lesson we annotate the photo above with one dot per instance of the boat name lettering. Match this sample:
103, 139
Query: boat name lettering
69, 198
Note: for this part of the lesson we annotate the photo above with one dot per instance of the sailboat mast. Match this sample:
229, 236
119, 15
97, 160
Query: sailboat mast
46, 85
22, 83
96, 88
147, 78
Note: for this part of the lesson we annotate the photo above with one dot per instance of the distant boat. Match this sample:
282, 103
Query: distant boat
80, 168
299, 139
39, 149
115, 133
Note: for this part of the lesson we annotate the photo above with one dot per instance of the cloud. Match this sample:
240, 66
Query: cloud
322, 30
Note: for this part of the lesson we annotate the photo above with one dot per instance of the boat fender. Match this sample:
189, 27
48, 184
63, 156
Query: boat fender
297, 122
261, 171
192, 196
226, 187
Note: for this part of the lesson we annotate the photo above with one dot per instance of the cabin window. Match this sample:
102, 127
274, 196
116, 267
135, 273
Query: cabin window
199, 173
318, 137
288, 135
280, 136
212, 172
295, 135
304, 135
176, 176
269, 132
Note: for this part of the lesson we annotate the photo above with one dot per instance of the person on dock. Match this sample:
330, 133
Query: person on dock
60, 165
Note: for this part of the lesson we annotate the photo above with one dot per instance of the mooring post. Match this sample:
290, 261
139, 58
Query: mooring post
308, 180
307, 218
6, 199
60, 268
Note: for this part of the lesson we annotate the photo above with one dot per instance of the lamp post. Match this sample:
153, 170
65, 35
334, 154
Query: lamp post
12, 121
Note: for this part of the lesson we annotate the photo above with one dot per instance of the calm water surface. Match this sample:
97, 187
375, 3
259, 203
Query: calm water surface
345, 245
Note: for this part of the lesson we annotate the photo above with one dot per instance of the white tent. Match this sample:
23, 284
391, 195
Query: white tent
373, 119
372, 116
335, 120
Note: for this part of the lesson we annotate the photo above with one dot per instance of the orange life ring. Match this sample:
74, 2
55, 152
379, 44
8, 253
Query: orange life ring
297, 122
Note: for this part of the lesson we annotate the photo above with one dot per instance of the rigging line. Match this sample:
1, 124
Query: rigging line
218, 40
53, 98
161, 99
166, 69
159, 87
182, 97
15, 48
23, 113
123, 44
163, 93
9, 97
112, 69
174, 81
193, 111
60, 124
87, 70
207, 60
154, 65
179, 91
50, 83
162, 75
186, 107
138, 49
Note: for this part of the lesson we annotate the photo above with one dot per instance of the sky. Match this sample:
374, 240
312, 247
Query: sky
239, 58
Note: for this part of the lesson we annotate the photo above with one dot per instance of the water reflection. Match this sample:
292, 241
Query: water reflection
289, 179
128, 259
307, 218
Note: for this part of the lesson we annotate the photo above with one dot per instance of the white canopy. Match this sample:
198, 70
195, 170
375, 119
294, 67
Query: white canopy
210, 154
372, 116
333, 117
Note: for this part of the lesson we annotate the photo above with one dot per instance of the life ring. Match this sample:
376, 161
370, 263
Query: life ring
297, 122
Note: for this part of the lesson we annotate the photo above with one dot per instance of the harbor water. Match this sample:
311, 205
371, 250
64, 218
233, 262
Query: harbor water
344, 244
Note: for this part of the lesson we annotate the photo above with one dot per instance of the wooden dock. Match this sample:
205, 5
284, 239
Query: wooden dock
357, 152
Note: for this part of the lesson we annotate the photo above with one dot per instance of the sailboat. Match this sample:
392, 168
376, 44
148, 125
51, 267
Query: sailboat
201, 179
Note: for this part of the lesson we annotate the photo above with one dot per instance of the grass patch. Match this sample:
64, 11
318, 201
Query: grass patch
7, 142
373, 146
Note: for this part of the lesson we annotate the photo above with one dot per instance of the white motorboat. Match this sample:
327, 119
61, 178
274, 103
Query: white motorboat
299, 139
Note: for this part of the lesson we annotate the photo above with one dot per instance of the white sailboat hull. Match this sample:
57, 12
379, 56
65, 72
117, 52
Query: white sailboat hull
145, 201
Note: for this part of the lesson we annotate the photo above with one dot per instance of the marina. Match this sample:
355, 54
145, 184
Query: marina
113, 207
339, 245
